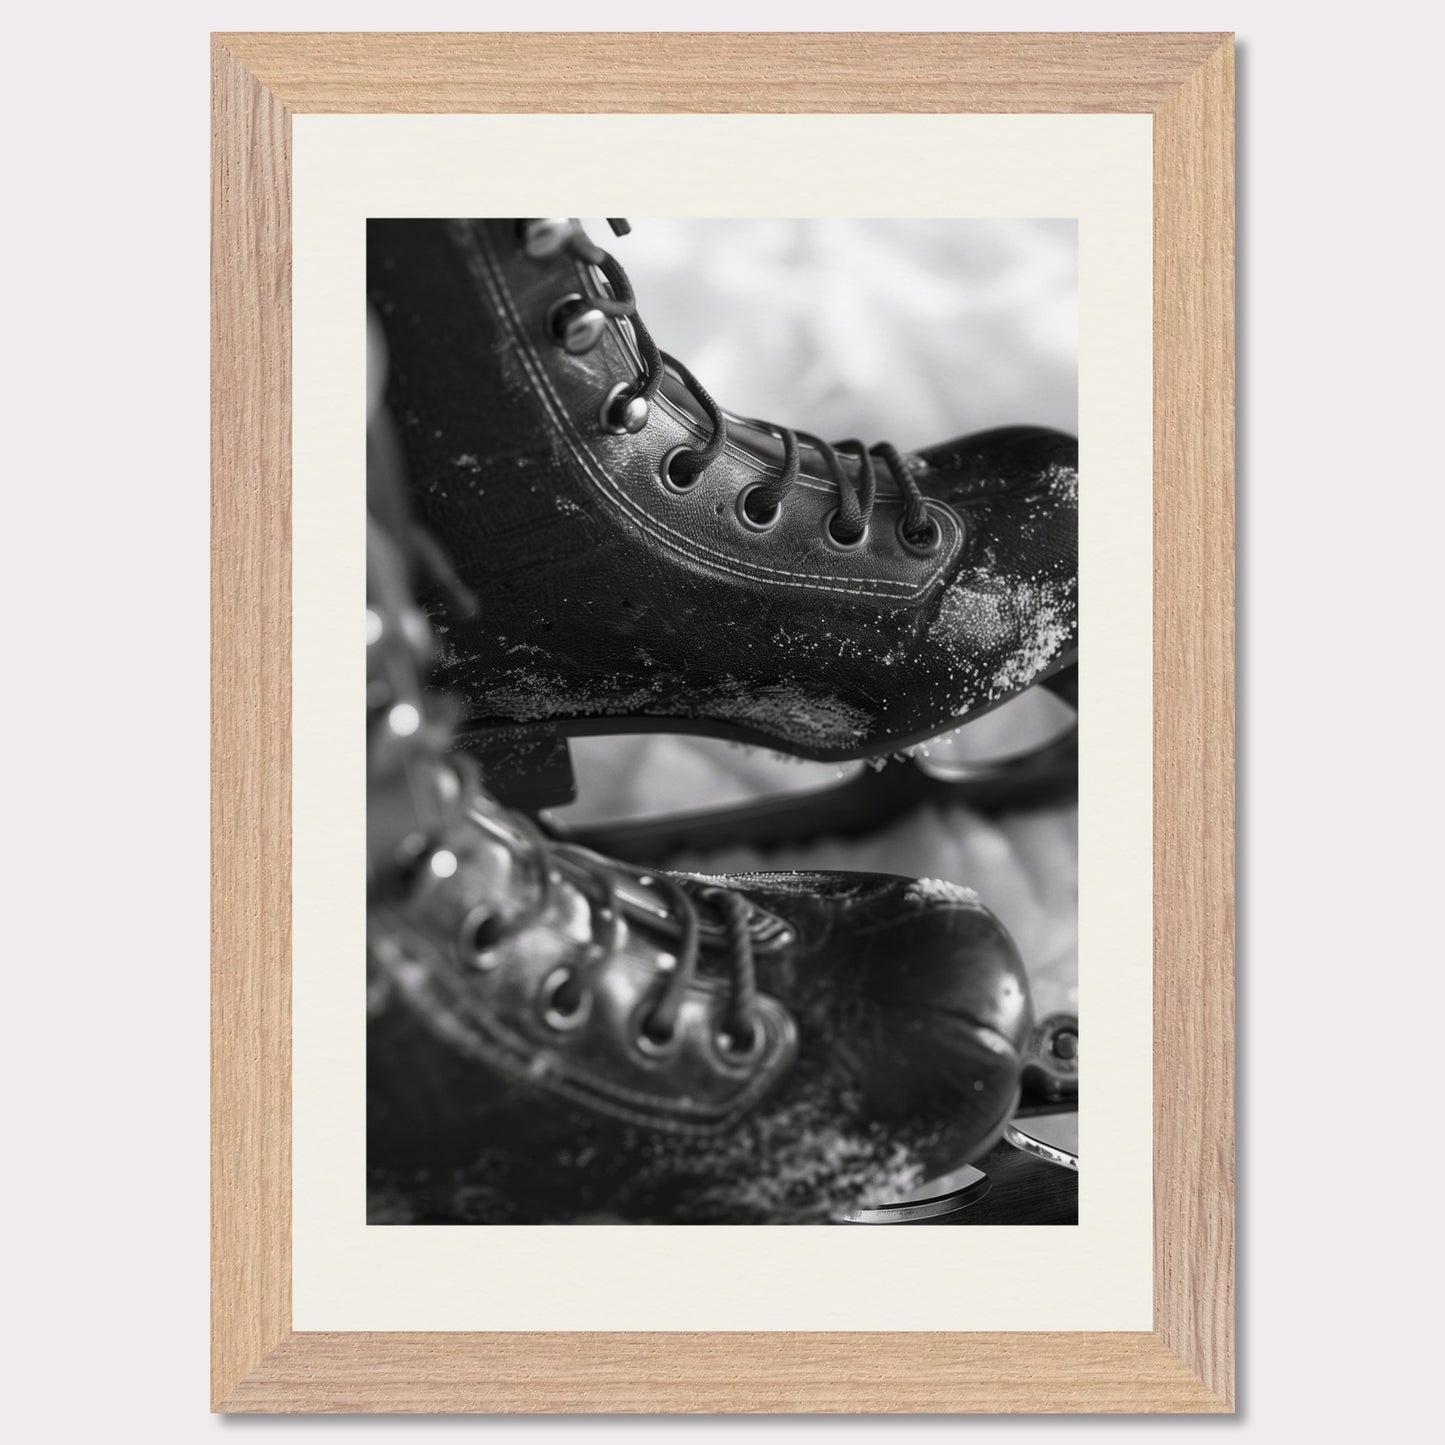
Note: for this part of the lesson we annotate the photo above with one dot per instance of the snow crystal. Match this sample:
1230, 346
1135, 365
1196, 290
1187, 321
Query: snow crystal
938, 890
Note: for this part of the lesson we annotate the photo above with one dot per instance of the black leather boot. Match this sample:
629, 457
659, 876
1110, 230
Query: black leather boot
556, 1037
646, 560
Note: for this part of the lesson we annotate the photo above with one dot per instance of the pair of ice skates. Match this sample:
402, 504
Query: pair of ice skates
587, 543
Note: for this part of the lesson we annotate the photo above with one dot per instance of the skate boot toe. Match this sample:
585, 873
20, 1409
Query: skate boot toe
1009, 461
911, 997
942, 953
950, 999
1009, 615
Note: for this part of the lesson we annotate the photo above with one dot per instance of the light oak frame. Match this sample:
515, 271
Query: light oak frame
1186, 1364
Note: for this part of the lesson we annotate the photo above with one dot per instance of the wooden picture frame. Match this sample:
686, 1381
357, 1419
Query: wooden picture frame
1186, 1364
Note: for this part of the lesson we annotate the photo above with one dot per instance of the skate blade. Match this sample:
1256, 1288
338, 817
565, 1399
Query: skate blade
864, 802
1029, 1177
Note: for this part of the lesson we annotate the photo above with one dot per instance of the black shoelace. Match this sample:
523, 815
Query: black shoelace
856, 498
599, 880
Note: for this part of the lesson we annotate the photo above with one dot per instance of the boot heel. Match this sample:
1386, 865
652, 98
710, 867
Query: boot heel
1064, 684
528, 773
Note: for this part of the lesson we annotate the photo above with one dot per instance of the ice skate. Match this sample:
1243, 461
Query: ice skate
645, 560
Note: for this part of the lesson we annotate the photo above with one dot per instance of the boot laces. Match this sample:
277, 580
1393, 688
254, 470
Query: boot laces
601, 882
856, 497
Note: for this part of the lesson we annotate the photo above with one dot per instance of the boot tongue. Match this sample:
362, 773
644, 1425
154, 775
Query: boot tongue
764, 445
652, 909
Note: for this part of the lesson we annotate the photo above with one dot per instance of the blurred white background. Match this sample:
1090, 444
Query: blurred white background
904, 331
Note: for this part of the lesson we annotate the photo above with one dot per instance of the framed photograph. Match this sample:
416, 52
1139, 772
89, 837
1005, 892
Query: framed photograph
669, 998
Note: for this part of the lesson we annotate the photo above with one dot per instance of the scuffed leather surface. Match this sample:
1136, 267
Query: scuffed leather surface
605, 596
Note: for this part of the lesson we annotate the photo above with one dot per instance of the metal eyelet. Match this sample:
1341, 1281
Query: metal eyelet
575, 324
664, 472
1051, 1059
920, 549
619, 417
654, 1050
562, 1020
836, 543
737, 1053
755, 524
479, 934
442, 863
417, 631
404, 719
544, 238
1064, 1043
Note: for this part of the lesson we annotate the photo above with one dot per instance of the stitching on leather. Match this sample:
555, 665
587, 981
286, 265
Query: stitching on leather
495, 286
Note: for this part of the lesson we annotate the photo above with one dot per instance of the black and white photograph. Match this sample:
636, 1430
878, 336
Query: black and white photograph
721, 721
